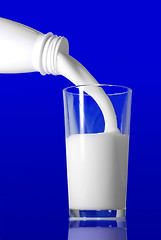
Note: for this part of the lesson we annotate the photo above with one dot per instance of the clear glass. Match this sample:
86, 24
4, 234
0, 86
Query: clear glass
97, 158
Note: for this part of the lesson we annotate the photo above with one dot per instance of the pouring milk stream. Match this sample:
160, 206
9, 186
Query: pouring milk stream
23, 49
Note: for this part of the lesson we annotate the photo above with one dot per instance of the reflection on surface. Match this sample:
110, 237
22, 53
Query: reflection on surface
97, 230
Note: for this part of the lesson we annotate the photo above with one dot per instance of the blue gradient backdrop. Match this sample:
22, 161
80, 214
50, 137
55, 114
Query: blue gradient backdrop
119, 43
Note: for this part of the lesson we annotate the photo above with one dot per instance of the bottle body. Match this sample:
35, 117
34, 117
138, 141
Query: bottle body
23, 49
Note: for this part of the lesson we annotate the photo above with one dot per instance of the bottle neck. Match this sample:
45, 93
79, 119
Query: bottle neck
51, 46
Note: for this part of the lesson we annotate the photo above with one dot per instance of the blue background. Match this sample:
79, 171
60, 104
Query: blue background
119, 43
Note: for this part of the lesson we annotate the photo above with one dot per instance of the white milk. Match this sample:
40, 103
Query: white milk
77, 74
97, 163
97, 171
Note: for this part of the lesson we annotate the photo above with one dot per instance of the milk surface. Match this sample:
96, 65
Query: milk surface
97, 171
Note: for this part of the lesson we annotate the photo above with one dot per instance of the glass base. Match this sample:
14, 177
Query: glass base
97, 214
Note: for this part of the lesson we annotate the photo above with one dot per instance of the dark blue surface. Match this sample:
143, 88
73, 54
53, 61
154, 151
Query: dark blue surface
119, 43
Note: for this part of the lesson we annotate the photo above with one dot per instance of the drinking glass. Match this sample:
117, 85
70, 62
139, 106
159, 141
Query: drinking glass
97, 156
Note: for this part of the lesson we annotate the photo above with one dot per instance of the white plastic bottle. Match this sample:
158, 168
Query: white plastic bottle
23, 49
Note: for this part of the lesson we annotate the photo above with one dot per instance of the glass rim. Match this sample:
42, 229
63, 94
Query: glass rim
128, 90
